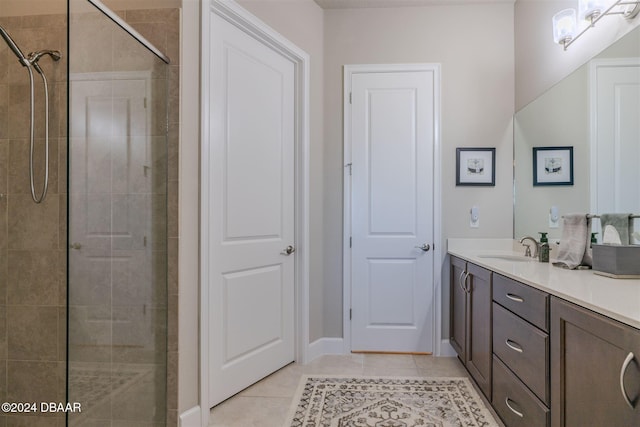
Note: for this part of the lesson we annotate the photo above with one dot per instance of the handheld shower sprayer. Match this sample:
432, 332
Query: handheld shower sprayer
14, 47
30, 62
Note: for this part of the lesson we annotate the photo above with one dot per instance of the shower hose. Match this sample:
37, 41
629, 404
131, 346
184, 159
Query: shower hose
43, 194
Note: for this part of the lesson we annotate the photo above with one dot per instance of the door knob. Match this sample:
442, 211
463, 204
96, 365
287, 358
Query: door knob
288, 250
75, 246
424, 247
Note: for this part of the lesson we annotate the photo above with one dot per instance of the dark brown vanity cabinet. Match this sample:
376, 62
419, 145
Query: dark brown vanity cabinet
470, 320
595, 369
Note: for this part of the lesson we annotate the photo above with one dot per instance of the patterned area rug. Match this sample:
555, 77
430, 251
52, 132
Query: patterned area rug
387, 402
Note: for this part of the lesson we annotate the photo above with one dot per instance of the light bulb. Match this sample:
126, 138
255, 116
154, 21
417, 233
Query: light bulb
564, 26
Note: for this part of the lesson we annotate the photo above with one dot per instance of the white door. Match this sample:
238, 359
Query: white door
393, 127
616, 124
251, 211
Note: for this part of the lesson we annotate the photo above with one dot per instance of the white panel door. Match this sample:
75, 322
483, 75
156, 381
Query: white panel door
617, 137
392, 137
251, 220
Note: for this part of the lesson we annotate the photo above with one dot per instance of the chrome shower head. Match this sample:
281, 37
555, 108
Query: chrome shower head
14, 47
34, 57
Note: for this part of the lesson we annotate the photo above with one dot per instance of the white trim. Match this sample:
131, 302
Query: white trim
323, 346
446, 350
191, 418
439, 241
241, 18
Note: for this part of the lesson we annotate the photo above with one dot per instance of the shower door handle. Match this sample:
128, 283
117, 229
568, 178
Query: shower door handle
76, 246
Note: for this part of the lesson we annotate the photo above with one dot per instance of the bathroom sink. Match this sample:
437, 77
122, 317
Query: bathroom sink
506, 257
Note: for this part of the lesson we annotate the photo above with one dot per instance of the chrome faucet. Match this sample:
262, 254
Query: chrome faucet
527, 251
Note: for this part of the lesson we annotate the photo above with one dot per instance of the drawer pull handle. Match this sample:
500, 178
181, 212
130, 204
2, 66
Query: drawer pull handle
460, 281
513, 345
515, 298
623, 370
518, 413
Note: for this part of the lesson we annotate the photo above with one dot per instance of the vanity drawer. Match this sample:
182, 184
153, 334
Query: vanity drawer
514, 402
525, 301
523, 348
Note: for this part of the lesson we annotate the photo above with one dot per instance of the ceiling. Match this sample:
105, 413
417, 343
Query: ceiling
353, 4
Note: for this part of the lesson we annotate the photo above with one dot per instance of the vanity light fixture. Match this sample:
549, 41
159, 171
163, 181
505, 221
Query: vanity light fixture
565, 22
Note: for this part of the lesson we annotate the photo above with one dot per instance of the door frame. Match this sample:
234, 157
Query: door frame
594, 66
233, 13
438, 244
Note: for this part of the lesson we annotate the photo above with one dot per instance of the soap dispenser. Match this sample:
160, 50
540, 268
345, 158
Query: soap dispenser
543, 249
594, 240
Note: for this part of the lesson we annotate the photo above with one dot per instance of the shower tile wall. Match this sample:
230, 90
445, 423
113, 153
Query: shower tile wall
32, 237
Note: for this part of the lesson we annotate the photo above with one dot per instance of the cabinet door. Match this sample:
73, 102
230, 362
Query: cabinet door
588, 382
479, 337
458, 307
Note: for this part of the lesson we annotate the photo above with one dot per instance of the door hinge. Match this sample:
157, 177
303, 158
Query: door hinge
350, 97
350, 314
350, 166
350, 241
145, 102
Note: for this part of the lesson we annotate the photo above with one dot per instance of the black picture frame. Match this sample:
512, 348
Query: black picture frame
476, 166
552, 166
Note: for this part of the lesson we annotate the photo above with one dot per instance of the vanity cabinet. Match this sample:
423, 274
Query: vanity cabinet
470, 320
521, 353
595, 369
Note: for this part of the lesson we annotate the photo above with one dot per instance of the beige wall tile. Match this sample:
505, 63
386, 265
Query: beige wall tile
172, 208
3, 343
32, 278
32, 333
3, 380
4, 161
33, 226
19, 110
19, 166
4, 103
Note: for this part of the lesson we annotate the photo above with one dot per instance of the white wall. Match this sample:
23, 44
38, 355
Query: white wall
474, 44
540, 63
301, 21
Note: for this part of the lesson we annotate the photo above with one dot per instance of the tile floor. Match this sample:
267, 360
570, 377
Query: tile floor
266, 403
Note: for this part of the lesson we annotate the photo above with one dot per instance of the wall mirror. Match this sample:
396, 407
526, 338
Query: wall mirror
595, 110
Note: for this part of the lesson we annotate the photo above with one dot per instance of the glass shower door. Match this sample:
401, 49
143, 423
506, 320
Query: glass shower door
117, 297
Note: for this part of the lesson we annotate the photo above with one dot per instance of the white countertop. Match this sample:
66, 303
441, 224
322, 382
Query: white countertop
615, 298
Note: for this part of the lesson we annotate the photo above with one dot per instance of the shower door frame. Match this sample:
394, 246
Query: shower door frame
245, 21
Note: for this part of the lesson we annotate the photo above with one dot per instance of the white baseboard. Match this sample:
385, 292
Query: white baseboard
191, 418
446, 350
324, 346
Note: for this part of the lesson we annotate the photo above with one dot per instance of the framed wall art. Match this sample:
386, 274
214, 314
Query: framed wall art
476, 166
552, 166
